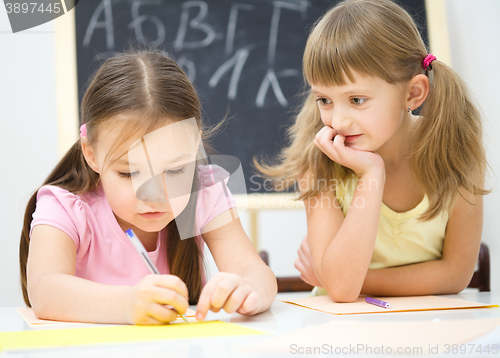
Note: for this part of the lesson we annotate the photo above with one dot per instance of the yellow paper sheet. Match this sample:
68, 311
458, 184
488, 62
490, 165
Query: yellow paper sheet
398, 304
30, 318
385, 337
116, 334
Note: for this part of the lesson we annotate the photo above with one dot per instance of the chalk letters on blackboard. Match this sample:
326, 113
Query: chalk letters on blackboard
198, 24
105, 6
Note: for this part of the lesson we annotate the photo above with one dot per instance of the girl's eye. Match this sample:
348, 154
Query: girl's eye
175, 172
357, 100
323, 101
127, 175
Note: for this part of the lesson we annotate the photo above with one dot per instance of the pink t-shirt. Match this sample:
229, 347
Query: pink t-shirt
104, 254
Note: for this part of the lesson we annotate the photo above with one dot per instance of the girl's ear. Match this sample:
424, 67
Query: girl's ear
89, 154
418, 90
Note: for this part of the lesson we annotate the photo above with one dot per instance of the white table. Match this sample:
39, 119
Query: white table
280, 318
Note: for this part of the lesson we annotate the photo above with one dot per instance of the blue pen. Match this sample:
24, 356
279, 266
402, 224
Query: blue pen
144, 254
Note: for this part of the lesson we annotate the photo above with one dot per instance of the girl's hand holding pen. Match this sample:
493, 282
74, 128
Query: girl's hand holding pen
148, 298
330, 142
230, 292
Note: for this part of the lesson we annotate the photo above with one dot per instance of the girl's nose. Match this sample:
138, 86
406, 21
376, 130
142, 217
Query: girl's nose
152, 190
340, 120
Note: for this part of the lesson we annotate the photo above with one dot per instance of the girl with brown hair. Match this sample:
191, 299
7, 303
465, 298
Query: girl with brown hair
393, 199
141, 115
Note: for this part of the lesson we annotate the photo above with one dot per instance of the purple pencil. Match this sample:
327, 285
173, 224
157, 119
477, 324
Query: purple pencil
376, 302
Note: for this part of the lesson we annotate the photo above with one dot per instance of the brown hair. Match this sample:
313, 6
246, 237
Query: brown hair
379, 38
152, 85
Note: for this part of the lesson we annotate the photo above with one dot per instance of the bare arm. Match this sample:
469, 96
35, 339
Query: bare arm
55, 293
450, 274
245, 283
341, 248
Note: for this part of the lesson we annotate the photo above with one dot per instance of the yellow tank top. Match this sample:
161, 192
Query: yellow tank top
401, 238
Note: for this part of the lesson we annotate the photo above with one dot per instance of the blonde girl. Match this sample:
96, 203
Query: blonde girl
76, 261
393, 199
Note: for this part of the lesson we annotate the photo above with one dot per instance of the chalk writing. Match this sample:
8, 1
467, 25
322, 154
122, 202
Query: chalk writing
194, 32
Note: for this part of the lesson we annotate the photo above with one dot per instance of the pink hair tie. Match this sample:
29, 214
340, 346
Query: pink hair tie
83, 130
427, 61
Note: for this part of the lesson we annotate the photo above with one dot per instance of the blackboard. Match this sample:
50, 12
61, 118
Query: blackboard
244, 58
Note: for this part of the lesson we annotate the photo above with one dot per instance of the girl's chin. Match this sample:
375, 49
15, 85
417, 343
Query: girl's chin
153, 226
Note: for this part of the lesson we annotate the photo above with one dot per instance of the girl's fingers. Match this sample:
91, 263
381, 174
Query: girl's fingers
330, 142
155, 314
305, 262
207, 293
346, 153
205, 297
251, 304
338, 144
172, 282
303, 273
325, 136
304, 247
324, 141
307, 280
148, 321
307, 272
299, 265
338, 141
162, 314
236, 299
340, 147
172, 298
319, 135
329, 134
230, 292
222, 292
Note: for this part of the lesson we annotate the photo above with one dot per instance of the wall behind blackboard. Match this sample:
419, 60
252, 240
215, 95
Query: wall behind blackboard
243, 57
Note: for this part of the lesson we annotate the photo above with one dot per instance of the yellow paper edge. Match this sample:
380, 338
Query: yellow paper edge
116, 334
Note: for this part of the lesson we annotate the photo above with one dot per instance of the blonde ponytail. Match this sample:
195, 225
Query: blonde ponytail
447, 151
